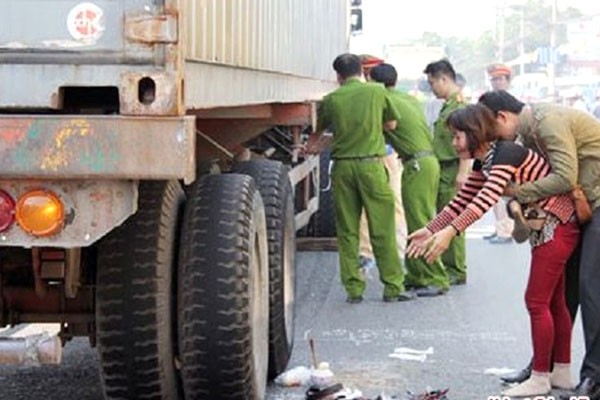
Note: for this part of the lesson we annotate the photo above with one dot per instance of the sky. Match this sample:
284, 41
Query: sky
409, 18
400, 21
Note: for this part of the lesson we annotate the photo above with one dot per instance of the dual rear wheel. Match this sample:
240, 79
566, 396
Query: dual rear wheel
195, 298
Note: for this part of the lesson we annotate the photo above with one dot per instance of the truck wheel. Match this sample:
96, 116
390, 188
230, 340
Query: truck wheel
276, 191
324, 218
223, 292
135, 298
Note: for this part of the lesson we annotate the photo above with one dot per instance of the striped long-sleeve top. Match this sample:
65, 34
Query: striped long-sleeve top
505, 162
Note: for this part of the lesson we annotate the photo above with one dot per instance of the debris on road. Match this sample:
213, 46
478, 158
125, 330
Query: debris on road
405, 353
322, 375
499, 371
334, 392
297, 376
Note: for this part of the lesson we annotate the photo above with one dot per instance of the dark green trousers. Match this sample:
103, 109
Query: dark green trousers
358, 184
420, 180
454, 258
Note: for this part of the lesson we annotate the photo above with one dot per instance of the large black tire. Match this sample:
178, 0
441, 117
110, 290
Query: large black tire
324, 218
223, 291
276, 190
135, 298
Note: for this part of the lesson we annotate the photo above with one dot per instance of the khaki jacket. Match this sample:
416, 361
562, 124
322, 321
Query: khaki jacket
571, 139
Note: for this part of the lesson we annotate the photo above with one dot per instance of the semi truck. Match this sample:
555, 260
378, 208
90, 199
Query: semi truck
151, 183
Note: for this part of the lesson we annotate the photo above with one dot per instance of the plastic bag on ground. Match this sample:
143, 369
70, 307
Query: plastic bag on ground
297, 376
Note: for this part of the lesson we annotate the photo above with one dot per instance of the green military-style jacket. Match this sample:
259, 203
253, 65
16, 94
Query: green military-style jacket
442, 136
412, 133
356, 112
571, 140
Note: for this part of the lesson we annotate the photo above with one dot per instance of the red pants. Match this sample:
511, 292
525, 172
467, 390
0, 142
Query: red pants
545, 298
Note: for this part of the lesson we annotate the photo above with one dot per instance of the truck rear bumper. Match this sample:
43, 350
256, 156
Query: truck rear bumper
97, 147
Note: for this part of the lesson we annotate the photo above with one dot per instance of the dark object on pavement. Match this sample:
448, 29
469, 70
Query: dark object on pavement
327, 393
429, 395
430, 291
518, 377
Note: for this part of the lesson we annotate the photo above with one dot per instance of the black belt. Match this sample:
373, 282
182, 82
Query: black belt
418, 154
361, 158
449, 162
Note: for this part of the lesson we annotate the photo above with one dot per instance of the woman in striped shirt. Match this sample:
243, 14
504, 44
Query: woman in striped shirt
496, 166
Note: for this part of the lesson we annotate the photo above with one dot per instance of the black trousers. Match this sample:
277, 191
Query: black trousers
572, 282
589, 297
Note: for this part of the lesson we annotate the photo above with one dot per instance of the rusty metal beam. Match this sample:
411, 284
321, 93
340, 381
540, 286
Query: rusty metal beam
86, 146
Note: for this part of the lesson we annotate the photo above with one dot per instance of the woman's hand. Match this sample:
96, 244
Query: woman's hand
438, 243
509, 191
416, 240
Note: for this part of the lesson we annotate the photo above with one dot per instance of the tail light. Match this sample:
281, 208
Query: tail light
40, 213
7, 211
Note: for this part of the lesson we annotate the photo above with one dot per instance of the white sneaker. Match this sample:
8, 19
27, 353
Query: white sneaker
537, 385
560, 378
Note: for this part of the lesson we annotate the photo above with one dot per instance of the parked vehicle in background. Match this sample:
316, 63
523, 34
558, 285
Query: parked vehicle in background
151, 187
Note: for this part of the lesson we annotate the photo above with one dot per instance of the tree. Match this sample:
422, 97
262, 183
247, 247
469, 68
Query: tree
536, 16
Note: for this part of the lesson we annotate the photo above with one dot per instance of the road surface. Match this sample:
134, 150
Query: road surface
464, 335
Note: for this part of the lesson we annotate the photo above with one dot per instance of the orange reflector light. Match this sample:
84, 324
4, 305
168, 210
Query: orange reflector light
7, 211
40, 213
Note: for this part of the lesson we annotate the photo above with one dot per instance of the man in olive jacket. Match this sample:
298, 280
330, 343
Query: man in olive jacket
571, 140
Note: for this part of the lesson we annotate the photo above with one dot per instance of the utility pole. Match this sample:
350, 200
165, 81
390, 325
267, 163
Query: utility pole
500, 15
522, 41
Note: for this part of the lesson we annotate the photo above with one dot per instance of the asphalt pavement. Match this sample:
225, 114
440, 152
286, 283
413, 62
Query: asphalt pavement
453, 341
460, 341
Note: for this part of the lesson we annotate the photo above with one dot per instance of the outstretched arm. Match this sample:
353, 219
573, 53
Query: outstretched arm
420, 239
459, 203
485, 199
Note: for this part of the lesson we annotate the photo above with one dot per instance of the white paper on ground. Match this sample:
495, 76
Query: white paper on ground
406, 353
498, 371
409, 357
408, 350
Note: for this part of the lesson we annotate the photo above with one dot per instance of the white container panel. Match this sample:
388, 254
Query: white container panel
296, 37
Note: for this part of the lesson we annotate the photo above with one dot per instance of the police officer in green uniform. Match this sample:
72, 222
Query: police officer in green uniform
454, 172
357, 113
420, 177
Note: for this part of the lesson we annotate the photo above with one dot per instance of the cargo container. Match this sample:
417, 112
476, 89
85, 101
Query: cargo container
151, 184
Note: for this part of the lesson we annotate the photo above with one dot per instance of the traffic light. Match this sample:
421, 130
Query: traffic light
356, 22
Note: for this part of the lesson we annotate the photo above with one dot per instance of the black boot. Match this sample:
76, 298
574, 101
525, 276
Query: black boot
518, 377
586, 389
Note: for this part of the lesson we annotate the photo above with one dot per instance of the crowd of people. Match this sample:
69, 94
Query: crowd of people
535, 156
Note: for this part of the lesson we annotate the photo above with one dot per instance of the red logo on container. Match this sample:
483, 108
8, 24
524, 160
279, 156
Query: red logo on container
85, 22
